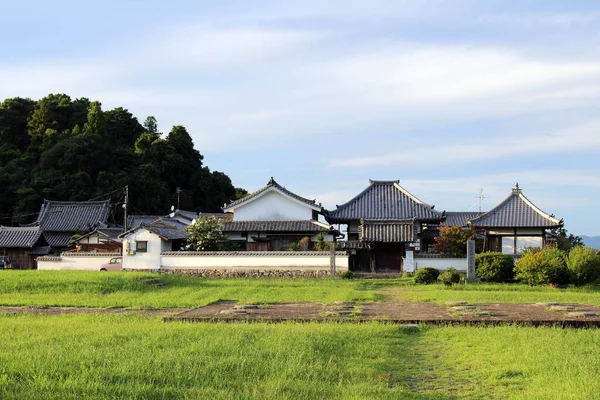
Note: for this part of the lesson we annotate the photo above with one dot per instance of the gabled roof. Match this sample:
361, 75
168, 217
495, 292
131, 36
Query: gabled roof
516, 211
133, 221
109, 233
387, 231
460, 218
384, 200
19, 237
271, 186
276, 226
167, 230
72, 216
58, 239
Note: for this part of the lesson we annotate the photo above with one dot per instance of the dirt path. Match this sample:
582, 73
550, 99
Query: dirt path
578, 315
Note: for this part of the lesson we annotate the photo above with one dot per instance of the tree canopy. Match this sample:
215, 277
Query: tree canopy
63, 149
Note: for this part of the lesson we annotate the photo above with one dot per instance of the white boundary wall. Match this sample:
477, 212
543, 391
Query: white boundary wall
440, 263
75, 261
233, 260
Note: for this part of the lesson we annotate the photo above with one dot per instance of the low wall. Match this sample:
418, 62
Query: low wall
252, 263
75, 261
440, 262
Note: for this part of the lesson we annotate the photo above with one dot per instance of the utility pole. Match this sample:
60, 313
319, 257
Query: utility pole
178, 191
125, 208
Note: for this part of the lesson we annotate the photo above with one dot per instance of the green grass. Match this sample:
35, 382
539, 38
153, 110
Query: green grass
122, 289
102, 356
481, 292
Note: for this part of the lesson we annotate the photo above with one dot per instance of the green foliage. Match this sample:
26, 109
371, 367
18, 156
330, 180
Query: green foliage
294, 246
64, 149
347, 275
321, 244
206, 235
449, 277
452, 240
546, 266
494, 267
583, 264
426, 275
565, 240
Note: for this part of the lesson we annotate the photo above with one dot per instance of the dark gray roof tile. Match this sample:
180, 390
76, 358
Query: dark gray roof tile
384, 200
459, 218
72, 216
58, 239
275, 226
516, 211
387, 231
19, 237
269, 185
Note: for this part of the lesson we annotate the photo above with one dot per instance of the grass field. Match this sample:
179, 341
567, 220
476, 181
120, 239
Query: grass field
98, 289
100, 356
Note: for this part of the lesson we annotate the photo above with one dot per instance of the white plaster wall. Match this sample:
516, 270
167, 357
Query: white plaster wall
148, 260
460, 264
91, 263
294, 261
272, 206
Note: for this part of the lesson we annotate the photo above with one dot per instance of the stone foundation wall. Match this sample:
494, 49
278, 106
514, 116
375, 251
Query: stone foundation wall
243, 273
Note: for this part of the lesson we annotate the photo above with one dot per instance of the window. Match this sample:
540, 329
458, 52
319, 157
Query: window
141, 247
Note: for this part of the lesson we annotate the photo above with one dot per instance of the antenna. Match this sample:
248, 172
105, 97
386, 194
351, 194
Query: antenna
480, 198
479, 201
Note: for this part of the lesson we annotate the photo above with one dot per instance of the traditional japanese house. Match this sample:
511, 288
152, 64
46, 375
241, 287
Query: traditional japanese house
22, 245
273, 217
103, 240
515, 223
59, 221
383, 221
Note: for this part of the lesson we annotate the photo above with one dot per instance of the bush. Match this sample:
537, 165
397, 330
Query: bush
494, 267
449, 277
347, 275
583, 264
546, 266
426, 275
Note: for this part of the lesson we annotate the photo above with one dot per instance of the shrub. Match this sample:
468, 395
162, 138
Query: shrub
583, 264
449, 277
494, 267
426, 275
546, 266
294, 246
347, 275
304, 243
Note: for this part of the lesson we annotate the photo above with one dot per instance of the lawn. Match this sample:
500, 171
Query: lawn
123, 289
101, 356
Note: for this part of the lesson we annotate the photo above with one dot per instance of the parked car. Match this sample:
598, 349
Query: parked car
115, 264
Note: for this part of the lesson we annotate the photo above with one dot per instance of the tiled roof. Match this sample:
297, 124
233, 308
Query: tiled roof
40, 250
459, 218
133, 221
72, 216
275, 226
19, 237
275, 186
516, 211
58, 239
387, 231
167, 233
384, 200
111, 233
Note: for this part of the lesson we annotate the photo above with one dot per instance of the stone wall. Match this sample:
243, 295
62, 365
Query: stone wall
243, 273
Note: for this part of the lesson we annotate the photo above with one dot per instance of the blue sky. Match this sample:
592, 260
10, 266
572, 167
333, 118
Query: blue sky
447, 96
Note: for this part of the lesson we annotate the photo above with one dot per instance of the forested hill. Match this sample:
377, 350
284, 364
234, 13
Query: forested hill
63, 149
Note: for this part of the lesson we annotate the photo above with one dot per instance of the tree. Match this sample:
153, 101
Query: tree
452, 240
151, 125
206, 235
565, 240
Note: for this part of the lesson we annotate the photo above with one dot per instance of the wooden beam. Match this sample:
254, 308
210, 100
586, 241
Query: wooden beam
515, 243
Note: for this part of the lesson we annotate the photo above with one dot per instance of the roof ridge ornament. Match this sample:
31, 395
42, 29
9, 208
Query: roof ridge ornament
517, 189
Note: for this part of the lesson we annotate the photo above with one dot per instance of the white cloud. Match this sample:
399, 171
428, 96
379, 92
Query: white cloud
581, 137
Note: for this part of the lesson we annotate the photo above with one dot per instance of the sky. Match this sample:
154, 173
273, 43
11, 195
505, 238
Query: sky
449, 97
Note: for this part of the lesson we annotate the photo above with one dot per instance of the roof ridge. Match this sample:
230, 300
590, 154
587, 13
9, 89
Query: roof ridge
271, 184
